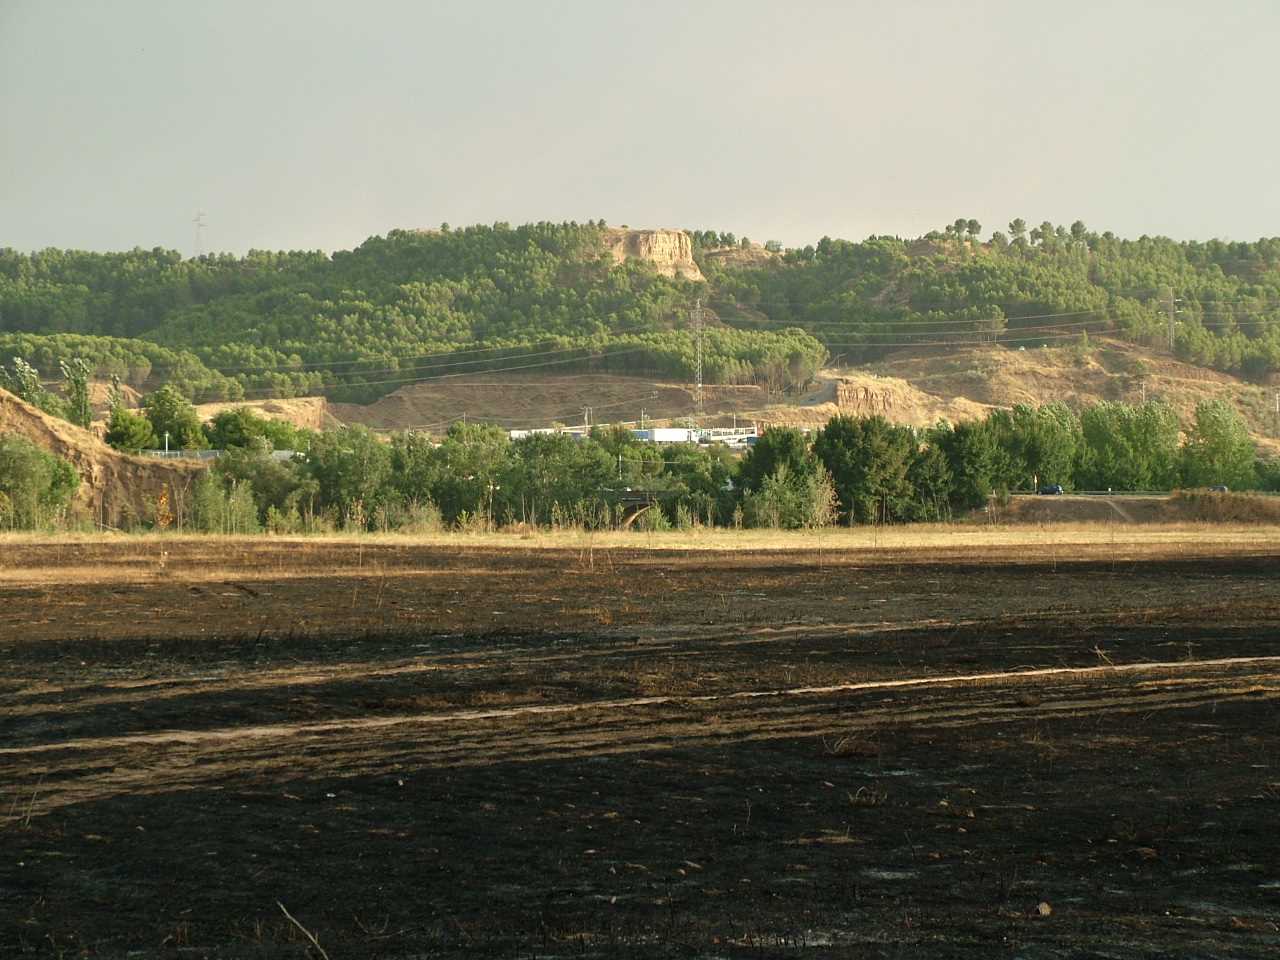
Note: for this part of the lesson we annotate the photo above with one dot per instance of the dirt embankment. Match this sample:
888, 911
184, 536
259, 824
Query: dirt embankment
860, 393
752, 255
1185, 506
1112, 370
920, 387
115, 489
531, 401
310, 413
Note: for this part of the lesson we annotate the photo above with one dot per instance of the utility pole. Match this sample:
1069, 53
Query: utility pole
642, 413
586, 417
697, 328
198, 220
1170, 304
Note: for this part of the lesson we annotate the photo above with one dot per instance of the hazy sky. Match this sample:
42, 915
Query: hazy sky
315, 124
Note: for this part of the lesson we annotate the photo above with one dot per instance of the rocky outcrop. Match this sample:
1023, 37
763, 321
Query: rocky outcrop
670, 251
752, 255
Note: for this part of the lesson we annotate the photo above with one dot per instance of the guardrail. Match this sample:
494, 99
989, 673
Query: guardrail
1133, 493
182, 454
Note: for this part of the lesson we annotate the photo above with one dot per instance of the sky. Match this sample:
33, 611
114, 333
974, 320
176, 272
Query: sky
313, 124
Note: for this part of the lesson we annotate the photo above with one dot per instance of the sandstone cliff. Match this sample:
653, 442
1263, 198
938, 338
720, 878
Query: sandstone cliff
670, 251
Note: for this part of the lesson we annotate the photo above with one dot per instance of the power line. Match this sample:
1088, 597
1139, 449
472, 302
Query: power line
451, 376
329, 365
554, 417
959, 343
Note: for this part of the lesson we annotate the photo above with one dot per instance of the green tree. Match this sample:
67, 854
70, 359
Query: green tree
174, 419
279, 485
777, 446
468, 466
1218, 449
1128, 448
241, 427
1046, 443
75, 374
128, 431
868, 459
930, 479
23, 381
975, 459
700, 477
351, 468
218, 507
554, 474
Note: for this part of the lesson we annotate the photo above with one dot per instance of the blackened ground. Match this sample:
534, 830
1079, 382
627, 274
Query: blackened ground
675, 755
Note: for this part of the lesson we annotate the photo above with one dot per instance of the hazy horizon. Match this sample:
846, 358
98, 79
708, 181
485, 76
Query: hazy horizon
315, 125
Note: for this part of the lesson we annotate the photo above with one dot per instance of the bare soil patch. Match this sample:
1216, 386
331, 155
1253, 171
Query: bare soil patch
538, 401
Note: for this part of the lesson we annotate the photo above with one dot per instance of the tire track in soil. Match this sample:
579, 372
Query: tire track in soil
100, 767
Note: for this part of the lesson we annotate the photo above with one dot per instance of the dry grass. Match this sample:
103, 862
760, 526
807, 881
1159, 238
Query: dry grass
906, 536
1236, 508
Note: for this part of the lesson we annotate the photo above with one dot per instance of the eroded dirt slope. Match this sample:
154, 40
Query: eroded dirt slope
114, 487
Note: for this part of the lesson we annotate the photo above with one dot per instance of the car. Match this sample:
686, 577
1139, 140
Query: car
1051, 489
1219, 488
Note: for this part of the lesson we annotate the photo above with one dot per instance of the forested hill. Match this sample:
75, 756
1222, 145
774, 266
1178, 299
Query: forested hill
410, 305
1045, 285
419, 304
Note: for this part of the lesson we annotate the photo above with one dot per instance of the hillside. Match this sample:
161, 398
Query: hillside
533, 401
114, 488
907, 387
1112, 370
420, 318
310, 413
411, 305
918, 388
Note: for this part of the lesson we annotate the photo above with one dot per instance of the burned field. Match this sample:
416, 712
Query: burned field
508, 751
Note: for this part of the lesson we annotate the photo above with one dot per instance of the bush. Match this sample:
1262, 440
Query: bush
35, 486
129, 432
219, 509
791, 502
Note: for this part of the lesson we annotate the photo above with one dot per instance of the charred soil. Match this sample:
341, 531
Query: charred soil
488, 751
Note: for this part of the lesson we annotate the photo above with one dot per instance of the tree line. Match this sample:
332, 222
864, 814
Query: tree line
853, 470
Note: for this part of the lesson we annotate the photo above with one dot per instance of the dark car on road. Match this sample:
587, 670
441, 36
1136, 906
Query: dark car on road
1051, 490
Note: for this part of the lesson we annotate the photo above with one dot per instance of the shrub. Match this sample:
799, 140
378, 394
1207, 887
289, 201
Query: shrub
36, 487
